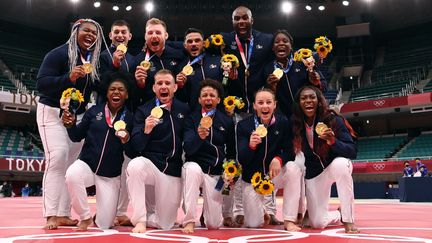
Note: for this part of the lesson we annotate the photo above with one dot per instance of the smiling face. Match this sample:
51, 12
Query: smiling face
208, 98
264, 105
164, 87
117, 95
309, 103
242, 22
194, 44
282, 46
87, 35
155, 37
120, 34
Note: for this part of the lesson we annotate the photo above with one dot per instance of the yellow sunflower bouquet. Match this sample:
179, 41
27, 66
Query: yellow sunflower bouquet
71, 99
305, 55
232, 102
231, 172
262, 186
323, 46
229, 62
214, 44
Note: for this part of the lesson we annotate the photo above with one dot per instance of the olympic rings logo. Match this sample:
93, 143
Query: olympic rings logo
379, 103
379, 166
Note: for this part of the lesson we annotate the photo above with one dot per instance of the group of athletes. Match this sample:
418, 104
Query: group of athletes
159, 131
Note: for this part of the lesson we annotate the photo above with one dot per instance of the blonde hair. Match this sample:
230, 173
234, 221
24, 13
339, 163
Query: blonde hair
73, 47
155, 21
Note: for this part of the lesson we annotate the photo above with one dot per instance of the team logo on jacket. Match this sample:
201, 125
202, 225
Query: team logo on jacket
173, 63
212, 66
258, 46
180, 115
297, 70
99, 116
221, 129
153, 67
234, 45
276, 132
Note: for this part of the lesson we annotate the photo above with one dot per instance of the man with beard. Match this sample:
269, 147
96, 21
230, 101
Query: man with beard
196, 67
253, 50
154, 57
154, 181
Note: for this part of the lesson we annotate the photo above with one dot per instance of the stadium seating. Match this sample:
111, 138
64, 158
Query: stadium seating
405, 61
428, 87
6, 84
389, 89
377, 148
421, 146
14, 144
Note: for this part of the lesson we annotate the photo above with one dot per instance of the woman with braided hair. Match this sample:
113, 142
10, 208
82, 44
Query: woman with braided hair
71, 65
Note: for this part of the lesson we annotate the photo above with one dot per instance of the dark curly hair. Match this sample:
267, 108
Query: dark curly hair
323, 114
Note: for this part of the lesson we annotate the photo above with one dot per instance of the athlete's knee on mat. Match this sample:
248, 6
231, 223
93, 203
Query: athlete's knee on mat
317, 223
254, 222
104, 225
166, 225
213, 223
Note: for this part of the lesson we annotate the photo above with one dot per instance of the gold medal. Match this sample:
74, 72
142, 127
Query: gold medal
247, 73
206, 122
119, 125
261, 130
88, 68
320, 127
146, 64
278, 73
122, 47
157, 112
187, 70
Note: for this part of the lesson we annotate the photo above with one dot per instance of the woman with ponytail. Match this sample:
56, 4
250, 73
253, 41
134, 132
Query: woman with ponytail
71, 65
326, 140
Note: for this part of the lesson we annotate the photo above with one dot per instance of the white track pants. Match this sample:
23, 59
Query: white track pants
254, 204
193, 178
60, 152
79, 176
123, 203
318, 194
143, 175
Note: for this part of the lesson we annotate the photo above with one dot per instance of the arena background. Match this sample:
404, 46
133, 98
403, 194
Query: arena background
379, 72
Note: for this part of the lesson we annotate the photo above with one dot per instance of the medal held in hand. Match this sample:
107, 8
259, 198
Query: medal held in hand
119, 125
122, 48
157, 112
88, 68
206, 122
261, 130
146, 64
278, 73
320, 127
187, 70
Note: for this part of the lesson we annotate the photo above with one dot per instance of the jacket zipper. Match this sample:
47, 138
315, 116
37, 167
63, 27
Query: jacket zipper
103, 150
217, 152
174, 144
